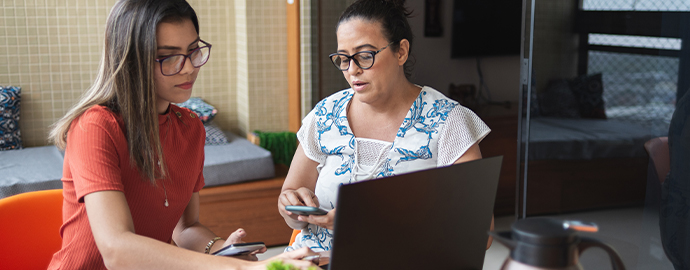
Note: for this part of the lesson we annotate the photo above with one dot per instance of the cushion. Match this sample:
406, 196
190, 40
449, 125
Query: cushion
30, 169
586, 139
214, 135
10, 136
237, 161
205, 111
589, 90
40, 168
558, 100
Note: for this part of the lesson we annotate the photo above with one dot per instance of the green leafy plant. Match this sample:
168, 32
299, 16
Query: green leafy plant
278, 265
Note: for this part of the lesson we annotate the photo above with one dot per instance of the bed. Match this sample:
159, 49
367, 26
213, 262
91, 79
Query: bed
583, 164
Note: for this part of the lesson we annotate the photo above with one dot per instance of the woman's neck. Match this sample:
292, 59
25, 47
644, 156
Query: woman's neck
382, 122
399, 100
162, 107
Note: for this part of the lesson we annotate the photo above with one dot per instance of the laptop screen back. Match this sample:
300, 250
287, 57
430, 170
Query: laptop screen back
435, 218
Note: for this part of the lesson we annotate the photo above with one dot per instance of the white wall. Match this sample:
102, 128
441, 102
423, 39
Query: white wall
435, 68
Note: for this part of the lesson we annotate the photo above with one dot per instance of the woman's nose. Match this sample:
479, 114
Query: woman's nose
187, 67
353, 68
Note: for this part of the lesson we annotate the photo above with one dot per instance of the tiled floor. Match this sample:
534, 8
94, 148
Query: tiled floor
633, 233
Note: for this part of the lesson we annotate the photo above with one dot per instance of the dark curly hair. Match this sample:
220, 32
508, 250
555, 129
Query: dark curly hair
392, 14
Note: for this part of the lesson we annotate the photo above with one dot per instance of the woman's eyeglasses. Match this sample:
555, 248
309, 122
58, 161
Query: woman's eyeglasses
363, 59
173, 64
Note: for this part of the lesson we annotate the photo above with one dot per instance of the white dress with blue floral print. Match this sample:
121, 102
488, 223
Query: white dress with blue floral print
435, 133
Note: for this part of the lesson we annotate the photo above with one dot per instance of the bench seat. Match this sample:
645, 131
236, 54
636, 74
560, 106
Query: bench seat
30, 169
40, 168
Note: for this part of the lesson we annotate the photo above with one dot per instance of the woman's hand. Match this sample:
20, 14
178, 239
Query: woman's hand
325, 221
294, 258
236, 238
298, 188
301, 196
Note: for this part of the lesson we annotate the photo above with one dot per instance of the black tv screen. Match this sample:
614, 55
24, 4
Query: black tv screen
486, 28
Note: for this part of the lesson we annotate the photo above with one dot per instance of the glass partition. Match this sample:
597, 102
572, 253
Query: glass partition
600, 78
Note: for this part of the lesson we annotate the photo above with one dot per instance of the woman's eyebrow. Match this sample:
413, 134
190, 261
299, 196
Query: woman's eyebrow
360, 47
194, 42
168, 47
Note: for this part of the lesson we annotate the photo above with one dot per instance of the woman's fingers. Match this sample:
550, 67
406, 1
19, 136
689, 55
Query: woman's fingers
325, 221
247, 257
295, 258
301, 264
301, 196
236, 236
308, 197
298, 254
262, 250
282, 202
293, 198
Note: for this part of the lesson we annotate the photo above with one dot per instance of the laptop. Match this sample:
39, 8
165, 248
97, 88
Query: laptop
431, 219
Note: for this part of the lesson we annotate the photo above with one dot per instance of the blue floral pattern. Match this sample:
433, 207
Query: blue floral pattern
327, 138
203, 110
334, 117
436, 117
10, 135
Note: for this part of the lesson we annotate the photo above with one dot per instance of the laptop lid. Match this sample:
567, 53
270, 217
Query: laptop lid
433, 218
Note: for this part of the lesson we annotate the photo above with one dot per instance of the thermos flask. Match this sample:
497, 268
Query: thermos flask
549, 244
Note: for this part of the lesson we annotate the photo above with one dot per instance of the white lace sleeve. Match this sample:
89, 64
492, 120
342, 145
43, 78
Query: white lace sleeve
309, 139
463, 129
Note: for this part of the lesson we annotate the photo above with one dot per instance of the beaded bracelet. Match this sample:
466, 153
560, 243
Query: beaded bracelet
210, 244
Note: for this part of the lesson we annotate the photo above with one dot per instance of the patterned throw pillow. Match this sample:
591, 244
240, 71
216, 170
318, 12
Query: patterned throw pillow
10, 136
205, 111
558, 101
589, 91
214, 135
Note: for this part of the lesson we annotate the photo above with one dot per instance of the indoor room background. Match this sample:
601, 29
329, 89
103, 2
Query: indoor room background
51, 48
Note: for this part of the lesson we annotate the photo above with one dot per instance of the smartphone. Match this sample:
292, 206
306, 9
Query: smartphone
239, 249
305, 210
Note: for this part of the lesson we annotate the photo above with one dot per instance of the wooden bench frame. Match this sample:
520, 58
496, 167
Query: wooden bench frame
252, 206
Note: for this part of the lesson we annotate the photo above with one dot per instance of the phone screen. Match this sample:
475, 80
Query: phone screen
305, 210
239, 249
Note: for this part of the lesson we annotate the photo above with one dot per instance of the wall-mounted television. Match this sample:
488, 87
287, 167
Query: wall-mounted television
486, 28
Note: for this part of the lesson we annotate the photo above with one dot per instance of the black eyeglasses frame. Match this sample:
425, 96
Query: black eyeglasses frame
351, 58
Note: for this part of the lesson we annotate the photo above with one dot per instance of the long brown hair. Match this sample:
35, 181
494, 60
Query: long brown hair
125, 81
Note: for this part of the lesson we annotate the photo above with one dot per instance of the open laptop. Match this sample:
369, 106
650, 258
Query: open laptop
432, 219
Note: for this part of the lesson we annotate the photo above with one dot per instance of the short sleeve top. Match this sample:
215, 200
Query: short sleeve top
97, 159
436, 132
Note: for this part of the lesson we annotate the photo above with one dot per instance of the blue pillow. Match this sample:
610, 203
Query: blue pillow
10, 136
214, 135
202, 109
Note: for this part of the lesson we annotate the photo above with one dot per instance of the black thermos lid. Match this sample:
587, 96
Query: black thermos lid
544, 242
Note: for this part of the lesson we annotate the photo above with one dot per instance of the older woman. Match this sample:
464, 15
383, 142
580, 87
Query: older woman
383, 125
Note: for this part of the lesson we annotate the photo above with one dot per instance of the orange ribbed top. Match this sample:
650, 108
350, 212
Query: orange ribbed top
97, 159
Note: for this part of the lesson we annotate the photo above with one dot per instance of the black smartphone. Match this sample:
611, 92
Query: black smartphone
305, 210
239, 249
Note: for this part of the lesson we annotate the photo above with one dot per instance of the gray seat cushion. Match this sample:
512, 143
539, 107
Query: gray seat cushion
30, 169
40, 168
237, 161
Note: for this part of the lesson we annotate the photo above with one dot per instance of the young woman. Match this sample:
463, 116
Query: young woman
383, 125
133, 161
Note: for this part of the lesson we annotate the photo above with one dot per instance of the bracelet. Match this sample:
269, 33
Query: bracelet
210, 244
